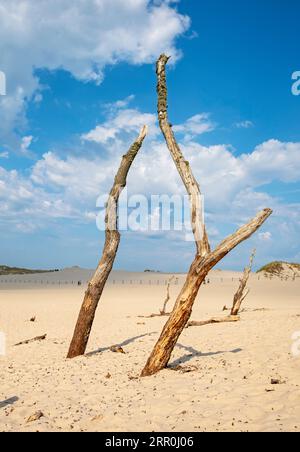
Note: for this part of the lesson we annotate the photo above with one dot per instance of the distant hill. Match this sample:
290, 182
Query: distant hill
5, 270
151, 271
280, 269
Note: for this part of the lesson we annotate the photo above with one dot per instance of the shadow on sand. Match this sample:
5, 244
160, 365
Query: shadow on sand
123, 344
193, 353
8, 402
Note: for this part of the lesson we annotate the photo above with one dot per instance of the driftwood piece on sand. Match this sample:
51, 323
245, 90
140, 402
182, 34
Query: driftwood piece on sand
112, 240
151, 316
116, 349
35, 417
228, 319
205, 259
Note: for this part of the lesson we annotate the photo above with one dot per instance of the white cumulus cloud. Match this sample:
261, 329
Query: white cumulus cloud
234, 186
81, 37
195, 126
124, 121
244, 124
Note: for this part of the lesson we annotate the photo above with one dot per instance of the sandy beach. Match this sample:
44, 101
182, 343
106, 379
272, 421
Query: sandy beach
140, 138
219, 377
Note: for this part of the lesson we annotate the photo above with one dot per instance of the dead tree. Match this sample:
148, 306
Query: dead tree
238, 299
242, 293
163, 311
205, 259
112, 239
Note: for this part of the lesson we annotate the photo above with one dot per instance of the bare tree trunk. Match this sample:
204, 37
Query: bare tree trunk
183, 166
112, 239
241, 294
205, 259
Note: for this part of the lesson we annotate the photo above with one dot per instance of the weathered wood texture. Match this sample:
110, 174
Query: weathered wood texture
112, 239
205, 259
183, 166
213, 320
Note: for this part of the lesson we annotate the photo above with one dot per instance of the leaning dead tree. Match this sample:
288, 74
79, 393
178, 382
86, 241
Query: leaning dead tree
238, 299
205, 259
242, 291
112, 239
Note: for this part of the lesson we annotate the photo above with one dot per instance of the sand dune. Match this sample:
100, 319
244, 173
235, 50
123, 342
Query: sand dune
226, 369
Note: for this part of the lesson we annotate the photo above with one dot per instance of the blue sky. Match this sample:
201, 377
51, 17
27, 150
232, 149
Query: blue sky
77, 73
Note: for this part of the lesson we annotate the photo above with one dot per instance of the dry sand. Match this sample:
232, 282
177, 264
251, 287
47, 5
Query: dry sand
230, 366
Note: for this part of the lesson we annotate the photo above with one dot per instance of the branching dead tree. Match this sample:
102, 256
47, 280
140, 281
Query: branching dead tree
238, 299
112, 239
163, 311
205, 259
242, 293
